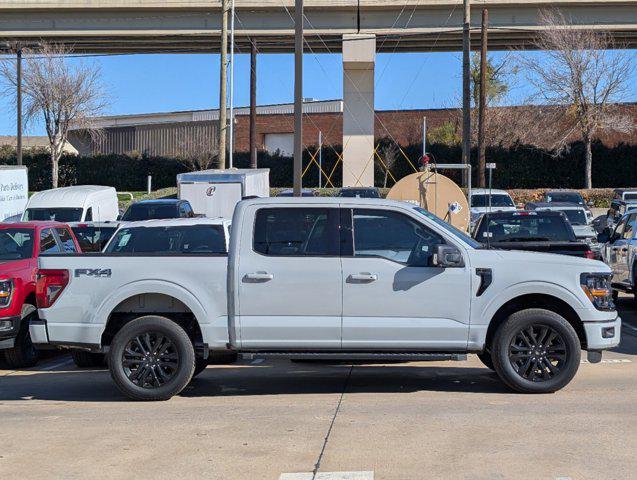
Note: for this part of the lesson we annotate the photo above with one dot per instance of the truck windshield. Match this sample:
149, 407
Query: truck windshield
449, 228
525, 228
91, 238
174, 240
149, 212
497, 200
54, 214
568, 197
16, 243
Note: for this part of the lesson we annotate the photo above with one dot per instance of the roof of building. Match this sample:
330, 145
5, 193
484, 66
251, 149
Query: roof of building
313, 106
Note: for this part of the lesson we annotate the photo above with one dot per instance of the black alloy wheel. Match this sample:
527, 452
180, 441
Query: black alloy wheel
150, 360
538, 353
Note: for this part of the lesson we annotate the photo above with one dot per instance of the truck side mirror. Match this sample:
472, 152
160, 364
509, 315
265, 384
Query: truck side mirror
447, 256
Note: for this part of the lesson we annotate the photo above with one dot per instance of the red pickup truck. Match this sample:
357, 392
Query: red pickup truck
20, 246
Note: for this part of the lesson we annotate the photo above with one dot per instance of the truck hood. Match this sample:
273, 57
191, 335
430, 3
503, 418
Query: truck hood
486, 257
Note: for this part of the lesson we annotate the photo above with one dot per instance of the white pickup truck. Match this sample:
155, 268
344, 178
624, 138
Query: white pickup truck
338, 278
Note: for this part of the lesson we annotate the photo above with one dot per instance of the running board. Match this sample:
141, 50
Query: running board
371, 356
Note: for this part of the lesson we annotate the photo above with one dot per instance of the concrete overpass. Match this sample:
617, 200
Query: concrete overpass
116, 26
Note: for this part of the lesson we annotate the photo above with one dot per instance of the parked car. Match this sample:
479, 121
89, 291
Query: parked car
81, 203
537, 231
158, 209
620, 253
479, 203
20, 246
360, 192
331, 278
618, 208
577, 217
570, 196
305, 192
93, 236
625, 194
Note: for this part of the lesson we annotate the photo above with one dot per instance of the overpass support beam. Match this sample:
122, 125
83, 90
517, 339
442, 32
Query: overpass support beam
359, 57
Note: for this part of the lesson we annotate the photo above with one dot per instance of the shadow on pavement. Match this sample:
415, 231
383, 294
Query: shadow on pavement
267, 379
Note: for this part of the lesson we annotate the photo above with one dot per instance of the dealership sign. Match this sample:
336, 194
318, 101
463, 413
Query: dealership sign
14, 191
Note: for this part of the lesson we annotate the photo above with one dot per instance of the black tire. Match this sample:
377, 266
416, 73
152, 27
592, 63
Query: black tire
200, 366
536, 351
84, 359
23, 354
485, 358
151, 358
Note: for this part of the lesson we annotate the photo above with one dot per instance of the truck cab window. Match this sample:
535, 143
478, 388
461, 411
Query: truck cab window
47, 242
89, 215
296, 232
394, 236
68, 246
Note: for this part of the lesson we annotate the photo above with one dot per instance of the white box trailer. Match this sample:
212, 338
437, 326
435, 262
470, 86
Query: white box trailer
215, 193
14, 191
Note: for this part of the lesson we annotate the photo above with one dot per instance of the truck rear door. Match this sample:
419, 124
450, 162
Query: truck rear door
289, 278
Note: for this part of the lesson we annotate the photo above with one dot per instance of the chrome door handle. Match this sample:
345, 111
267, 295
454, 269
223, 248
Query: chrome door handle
258, 277
363, 277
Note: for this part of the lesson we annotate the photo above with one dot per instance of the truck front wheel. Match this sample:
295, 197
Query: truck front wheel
151, 358
536, 351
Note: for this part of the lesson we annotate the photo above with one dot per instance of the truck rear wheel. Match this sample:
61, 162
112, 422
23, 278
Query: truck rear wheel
536, 351
151, 358
84, 359
23, 354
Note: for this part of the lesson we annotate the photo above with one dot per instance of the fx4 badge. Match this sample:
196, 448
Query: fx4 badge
93, 272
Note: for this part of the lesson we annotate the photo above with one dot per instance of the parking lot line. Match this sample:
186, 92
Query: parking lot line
328, 476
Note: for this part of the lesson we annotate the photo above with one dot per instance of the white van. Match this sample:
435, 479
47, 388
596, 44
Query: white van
81, 203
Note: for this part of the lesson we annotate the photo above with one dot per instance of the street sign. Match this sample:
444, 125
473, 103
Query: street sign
491, 166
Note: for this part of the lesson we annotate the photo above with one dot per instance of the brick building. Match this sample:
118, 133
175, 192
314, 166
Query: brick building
171, 134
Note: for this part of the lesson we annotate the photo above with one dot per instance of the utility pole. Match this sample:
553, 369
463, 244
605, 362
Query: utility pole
223, 124
253, 103
320, 160
298, 96
231, 128
19, 104
483, 100
466, 91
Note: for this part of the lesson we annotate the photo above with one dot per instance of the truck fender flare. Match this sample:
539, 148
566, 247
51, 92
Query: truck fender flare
530, 288
142, 287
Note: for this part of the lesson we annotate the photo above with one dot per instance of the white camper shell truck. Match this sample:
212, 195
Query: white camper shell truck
81, 203
330, 278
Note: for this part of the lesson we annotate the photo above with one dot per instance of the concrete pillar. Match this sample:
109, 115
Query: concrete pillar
359, 57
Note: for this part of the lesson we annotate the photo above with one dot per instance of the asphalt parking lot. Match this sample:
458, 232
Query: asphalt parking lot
263, 420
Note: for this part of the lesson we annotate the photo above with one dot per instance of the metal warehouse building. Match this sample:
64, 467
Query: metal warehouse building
190, 132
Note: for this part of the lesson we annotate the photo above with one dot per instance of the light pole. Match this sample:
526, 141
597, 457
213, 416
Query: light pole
298, 96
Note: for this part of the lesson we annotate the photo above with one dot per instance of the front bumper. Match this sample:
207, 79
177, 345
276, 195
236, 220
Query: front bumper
603, 335
38, 331
9, 327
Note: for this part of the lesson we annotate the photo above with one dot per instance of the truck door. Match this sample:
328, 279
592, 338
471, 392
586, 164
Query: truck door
620, 248
393, 296
614, 251
289, 279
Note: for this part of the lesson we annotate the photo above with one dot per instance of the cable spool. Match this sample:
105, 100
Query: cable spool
435, 193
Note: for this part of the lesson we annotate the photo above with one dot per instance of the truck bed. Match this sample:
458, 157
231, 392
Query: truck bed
99, 283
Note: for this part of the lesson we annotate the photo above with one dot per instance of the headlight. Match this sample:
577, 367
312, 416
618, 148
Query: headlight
6, 287
597, 287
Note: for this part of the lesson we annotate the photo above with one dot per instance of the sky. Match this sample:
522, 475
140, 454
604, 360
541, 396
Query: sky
163, 83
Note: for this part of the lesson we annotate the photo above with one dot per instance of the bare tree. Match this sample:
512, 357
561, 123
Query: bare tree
201, 155
584, 73
389, 154
61, 93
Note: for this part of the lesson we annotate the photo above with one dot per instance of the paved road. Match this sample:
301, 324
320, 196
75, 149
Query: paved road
243, 421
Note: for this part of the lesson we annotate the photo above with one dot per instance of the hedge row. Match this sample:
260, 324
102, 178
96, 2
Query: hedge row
518, 167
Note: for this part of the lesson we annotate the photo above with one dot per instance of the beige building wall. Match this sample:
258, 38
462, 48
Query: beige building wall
359, 57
